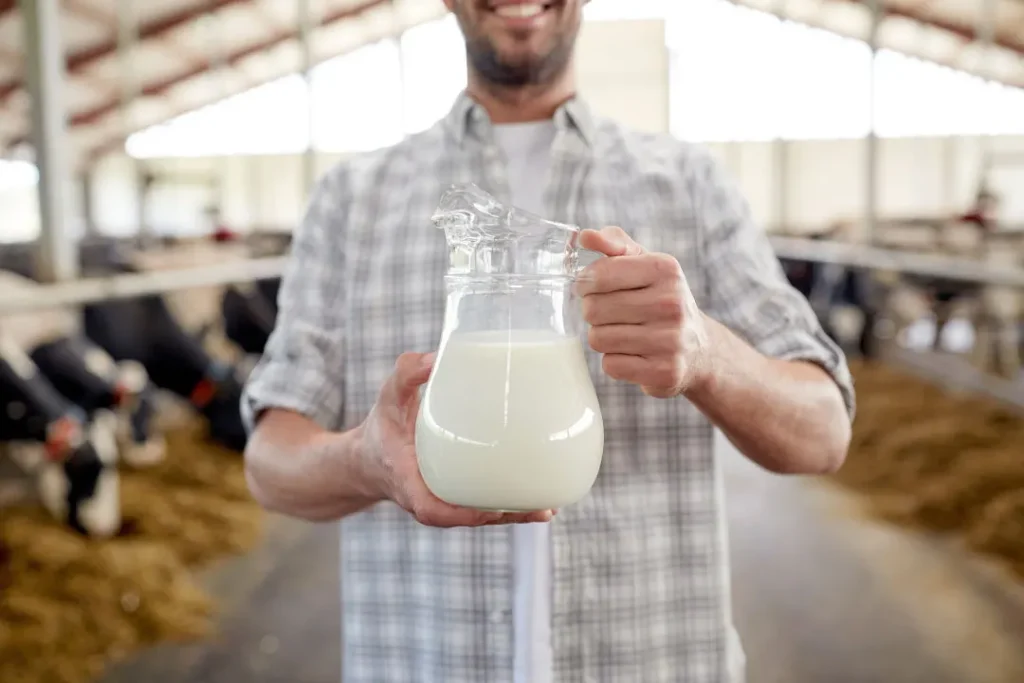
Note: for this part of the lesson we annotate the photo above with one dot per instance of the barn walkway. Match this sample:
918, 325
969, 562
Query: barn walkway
821, 594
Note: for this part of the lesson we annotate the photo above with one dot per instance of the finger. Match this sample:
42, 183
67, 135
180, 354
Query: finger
446, 516
610, 241
629, 272
430, 510
634, 306
637, 369
526, 517
634, 340
615, 274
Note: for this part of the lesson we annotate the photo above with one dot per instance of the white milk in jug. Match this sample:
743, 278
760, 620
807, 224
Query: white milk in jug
510, 421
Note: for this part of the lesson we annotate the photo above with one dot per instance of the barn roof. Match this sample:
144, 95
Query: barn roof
189, 53
947, 32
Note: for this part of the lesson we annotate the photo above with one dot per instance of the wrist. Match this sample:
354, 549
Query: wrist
351, 466
363, 470
705, 371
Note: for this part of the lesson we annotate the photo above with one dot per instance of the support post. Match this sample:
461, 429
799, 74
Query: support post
950, 165
127, 30
399, 32
780, 158
871, 142
88, 209
780, 154
309, 173
56, 251
986, 36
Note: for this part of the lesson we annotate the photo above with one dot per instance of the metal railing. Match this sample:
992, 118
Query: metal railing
91, 289
77, 292
910, 263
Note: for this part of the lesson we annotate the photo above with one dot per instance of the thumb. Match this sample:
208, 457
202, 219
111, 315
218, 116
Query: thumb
411, 371
610, 241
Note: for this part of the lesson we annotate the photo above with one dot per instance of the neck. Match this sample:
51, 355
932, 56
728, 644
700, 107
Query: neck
523, 104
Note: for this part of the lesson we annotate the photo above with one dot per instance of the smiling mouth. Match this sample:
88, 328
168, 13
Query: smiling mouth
522, 10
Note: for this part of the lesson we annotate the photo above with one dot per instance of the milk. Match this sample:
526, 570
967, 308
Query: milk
510, 421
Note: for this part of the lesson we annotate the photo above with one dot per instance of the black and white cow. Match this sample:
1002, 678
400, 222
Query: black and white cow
248, 318
84, 374
142, 329
164, 333
72, 458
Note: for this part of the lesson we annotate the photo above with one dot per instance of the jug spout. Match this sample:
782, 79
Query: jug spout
464, 206
468, 207
488, 237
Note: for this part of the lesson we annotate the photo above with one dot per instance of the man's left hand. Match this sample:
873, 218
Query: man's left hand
643, 316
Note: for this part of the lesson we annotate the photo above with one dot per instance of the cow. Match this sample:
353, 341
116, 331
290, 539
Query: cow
84, 375
171, 335
180, 336
248, 318
143, 329
72, 457
87, 376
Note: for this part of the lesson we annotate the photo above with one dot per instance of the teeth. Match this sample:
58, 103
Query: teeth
522, 10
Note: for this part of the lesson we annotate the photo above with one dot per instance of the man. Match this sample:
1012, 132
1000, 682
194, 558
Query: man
984, 212
631, 584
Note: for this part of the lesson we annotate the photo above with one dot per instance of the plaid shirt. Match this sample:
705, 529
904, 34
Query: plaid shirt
640, 567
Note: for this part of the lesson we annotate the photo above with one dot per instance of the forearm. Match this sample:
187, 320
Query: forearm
295, 468
787, 416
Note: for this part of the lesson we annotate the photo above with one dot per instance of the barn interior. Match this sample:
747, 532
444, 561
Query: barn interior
156, 156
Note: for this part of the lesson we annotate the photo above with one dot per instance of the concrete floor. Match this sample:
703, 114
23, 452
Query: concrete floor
825, 595
822, 595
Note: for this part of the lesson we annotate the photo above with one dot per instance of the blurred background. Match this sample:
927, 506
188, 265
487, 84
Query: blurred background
155, 157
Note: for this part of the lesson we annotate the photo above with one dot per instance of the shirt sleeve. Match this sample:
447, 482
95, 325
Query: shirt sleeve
748, 289
301, 366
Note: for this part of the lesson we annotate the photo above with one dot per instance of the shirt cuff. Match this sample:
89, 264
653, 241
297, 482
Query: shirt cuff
291, 386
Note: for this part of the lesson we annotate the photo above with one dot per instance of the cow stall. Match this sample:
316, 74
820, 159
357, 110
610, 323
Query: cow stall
114, 362
126, 441
946, 304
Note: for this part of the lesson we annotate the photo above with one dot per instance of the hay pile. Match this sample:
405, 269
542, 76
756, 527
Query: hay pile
71, 606
938, 461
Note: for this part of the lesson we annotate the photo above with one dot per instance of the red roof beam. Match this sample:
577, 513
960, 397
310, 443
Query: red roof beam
151, 29
159, 87
966, 32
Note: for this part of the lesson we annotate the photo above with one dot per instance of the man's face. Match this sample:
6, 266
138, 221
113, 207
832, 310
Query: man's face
514, 43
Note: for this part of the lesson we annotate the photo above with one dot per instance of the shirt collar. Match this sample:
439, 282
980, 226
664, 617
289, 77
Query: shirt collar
468, 119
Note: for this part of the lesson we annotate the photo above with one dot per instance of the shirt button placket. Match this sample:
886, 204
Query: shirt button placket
587, 598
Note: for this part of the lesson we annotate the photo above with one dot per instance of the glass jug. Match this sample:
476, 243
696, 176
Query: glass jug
509, 419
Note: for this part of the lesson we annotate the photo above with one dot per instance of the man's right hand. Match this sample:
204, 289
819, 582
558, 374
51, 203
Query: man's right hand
388, 453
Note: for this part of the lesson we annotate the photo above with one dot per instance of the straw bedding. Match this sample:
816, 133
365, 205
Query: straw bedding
938, 461
922, 457
73, 605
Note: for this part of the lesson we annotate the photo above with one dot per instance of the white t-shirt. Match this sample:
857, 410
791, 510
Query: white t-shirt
527, 148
